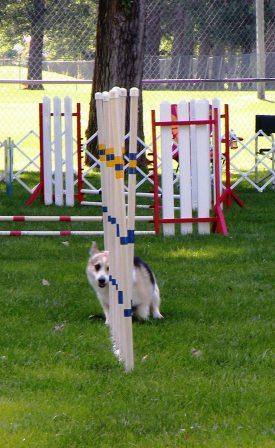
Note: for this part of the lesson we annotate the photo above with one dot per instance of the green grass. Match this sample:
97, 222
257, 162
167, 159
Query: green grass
66, 389
19, 107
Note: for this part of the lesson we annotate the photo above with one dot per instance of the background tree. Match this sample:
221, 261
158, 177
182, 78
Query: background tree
119, 51
37, 20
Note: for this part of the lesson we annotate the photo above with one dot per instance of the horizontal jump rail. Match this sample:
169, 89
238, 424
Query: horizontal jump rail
51, 218
62, 218
184, 122
138, 194
99, 204
62, 233
185, 220
144, 81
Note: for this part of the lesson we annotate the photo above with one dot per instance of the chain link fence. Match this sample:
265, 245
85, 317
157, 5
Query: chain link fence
213, 39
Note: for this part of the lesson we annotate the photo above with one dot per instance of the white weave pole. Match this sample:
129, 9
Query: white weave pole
110, 204
167, 169
184, 150
102, 159
125, 339
123, 100
58, 176
121, 274
69, 179
116, 261
203, 165
134, 96
47, 151
131, 203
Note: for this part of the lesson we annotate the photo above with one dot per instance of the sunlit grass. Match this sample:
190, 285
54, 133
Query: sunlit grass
19, 107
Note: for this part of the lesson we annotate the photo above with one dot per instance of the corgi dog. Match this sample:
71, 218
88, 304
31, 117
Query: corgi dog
146, 297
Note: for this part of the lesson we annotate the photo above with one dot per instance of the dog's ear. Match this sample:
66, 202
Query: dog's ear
93, 249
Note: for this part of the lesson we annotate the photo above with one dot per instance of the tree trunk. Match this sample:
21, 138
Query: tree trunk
37, 16
119, 53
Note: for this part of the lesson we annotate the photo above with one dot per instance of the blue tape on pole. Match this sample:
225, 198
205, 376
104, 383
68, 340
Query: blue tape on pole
114, 281
113, 220
131, 236
105, 210
118, 167
132, 156
110, 278
109, 218
117, 230
128, 312
132, 171
120, 297
110, 157
123, 240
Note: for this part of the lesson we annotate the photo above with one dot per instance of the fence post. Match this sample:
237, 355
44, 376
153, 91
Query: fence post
8, 175
260, 47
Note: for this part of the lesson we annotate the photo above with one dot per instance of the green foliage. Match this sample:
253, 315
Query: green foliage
166, 45
66, 25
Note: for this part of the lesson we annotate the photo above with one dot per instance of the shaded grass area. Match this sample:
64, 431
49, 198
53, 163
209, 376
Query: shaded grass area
62, 387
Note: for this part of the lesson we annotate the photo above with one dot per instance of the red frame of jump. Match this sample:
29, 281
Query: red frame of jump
218, 220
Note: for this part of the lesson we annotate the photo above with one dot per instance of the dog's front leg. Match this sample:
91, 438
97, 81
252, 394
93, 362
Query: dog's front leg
142, 311
107, 314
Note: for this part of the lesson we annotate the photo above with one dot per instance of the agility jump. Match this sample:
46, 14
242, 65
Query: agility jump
198, 152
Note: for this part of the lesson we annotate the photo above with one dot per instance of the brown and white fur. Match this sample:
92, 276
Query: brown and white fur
146, 296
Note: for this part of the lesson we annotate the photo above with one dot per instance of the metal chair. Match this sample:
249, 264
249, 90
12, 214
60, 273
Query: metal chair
265, 123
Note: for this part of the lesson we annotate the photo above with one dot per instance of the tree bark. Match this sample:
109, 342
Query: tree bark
119, 53
37, 16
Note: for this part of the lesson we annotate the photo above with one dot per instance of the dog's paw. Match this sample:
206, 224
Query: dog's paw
158, 316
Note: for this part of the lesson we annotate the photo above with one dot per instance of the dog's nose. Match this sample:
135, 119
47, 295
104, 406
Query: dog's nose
101, 281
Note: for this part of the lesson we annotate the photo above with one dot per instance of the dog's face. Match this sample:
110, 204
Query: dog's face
98, 267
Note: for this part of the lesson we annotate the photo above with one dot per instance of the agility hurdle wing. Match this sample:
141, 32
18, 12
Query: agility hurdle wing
57, 175
199, 169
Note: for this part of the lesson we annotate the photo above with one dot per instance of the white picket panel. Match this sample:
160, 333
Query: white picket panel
194, 175
47, 154
69, 178
216, 104
184, 150
167, 169
203, 165
58, 176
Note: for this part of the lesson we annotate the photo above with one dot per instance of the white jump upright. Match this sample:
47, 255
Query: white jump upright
47, 151
58, 175
69, 178
184, 150
167, 169
201, 147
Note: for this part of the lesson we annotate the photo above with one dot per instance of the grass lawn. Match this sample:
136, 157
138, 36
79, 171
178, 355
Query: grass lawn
61, 386
19, 107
